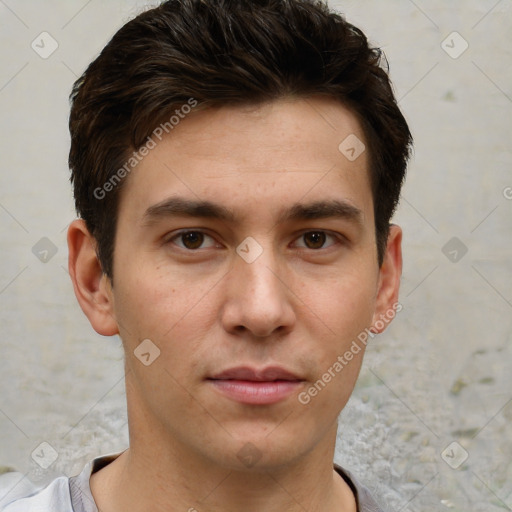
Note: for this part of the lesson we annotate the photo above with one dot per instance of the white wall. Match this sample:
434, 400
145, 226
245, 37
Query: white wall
440, 373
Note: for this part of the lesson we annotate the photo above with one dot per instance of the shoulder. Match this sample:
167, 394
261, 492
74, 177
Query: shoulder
364, 500
18, 494
64, 494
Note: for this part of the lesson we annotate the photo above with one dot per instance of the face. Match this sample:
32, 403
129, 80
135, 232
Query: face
245, 252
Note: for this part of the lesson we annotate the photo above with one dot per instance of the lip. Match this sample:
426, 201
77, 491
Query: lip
267, 374
256, 386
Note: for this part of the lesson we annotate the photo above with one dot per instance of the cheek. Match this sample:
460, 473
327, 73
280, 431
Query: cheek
151, 300
340, 354
171, 309
347, 312
345, 306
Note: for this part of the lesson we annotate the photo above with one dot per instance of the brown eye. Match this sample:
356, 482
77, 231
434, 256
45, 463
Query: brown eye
314, 239
192, 239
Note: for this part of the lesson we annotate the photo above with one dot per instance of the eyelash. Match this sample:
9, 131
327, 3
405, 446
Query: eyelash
337, 237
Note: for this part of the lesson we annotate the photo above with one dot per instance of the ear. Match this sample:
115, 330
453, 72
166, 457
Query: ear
387, 304
93, 288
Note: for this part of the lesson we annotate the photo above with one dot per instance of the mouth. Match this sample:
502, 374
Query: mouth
256, 386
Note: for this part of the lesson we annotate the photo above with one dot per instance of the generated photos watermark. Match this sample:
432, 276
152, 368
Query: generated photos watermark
342, 361
137, 156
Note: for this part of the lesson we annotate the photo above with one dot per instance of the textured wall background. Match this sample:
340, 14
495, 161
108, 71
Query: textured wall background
440, 374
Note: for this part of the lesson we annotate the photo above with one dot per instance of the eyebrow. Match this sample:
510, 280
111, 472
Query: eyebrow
178, 206
323, 209
333, 208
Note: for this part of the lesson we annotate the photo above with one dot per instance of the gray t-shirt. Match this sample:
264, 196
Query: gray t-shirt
73, 494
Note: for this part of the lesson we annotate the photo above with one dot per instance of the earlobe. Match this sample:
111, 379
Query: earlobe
92, 288
387, 304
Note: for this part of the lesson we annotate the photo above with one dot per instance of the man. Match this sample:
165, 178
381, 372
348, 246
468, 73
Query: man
235, 166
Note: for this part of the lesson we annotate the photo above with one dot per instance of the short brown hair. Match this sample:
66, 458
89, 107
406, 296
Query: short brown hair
226, 52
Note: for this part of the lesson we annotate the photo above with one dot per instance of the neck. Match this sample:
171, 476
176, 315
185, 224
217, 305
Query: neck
160, 473
140, 481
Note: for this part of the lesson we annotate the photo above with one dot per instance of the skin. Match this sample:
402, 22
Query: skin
299, 305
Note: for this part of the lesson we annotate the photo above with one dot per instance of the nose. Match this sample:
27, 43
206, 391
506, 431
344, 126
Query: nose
258, 299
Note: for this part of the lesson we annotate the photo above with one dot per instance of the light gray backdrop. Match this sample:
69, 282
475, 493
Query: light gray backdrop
435, 388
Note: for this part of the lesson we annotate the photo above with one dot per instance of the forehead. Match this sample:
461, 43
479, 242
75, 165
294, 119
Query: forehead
256, 158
